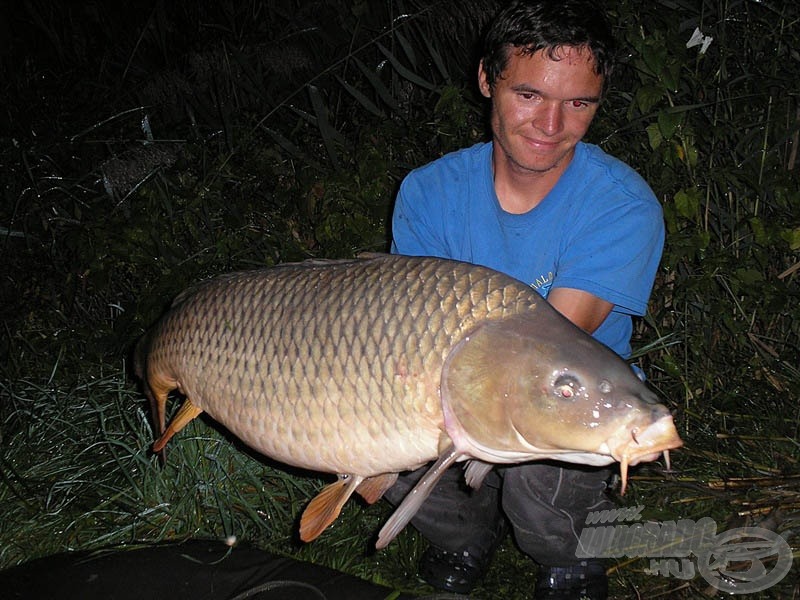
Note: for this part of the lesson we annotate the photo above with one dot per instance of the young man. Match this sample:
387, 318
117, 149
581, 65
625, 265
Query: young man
576, 224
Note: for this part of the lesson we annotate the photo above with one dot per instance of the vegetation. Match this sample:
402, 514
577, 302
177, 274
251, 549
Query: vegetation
148, 146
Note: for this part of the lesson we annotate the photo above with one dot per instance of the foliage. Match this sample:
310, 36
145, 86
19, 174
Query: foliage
721, 132
147, 147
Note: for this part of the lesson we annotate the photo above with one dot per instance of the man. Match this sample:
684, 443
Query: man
576, 224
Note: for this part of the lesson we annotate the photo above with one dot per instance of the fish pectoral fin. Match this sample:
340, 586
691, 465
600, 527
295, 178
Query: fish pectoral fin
414, 499
326, 506
185, 414
476, 472
372, 488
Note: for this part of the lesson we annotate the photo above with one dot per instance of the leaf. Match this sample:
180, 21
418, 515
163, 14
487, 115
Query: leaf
407, 48
404, 71
361, 98
292, 149
671, 221
328, 132
671, 76
648, 96
759, 232
654, 135
671, 366
702, 239
690, 154
379, 86
792, 237
668, 122
654, 57
687, 202
748, 277
437, 60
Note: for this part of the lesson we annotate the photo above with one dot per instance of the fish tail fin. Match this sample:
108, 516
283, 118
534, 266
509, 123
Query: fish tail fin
157, 410
185, 414
155, 390
326, 506
140, 370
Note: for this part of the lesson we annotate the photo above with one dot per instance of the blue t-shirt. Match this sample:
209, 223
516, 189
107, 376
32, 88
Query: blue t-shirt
600, 229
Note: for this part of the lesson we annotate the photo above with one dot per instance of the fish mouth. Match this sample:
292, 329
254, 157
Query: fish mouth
638, 445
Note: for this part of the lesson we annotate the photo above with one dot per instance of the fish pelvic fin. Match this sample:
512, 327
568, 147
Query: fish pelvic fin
372, 488
326, 506
476, 472
414, 499
185, 414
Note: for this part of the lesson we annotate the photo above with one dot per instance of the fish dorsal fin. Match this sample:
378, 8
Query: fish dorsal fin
326, 506
372, 488
476, 472
414, 499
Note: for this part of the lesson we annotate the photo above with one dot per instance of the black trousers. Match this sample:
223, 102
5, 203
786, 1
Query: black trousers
546, 504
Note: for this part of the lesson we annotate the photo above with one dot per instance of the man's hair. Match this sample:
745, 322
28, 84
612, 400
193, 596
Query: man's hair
532, 25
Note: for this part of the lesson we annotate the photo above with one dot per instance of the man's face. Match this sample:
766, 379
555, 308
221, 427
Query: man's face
541, 108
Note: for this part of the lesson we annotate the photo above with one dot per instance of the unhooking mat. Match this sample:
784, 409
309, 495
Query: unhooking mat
193, 570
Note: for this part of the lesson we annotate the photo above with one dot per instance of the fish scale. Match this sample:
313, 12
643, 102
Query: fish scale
314, 369
365, 368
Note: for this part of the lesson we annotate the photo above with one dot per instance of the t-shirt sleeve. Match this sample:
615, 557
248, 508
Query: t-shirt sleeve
416, 223
615, 253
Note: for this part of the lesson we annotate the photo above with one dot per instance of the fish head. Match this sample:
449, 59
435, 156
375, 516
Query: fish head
534, 386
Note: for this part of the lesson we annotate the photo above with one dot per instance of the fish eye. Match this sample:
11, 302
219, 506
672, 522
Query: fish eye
566, 386
605, 387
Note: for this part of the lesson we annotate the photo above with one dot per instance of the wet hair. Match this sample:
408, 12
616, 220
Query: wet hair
532, 25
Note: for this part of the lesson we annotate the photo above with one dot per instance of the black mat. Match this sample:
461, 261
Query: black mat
194, 570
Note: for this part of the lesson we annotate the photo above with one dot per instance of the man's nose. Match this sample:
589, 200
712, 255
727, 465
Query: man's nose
551, 118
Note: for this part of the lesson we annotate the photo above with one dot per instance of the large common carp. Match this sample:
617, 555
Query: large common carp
368, 367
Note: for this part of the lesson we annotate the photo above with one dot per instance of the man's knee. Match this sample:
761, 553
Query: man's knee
547, 505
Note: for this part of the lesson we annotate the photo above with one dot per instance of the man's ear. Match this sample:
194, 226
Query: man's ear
483, 83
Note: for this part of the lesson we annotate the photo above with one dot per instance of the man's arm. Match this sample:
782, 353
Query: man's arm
586, 310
